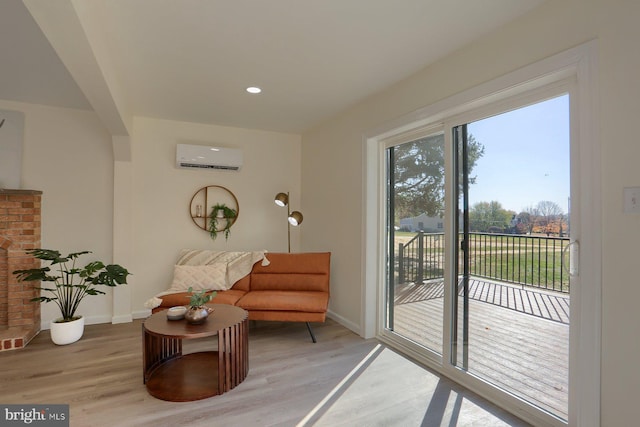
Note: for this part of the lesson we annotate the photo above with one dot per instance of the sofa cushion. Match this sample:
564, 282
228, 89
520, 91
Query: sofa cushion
243, 284
308, 301
290, 272
200, 278
287, 316
230, 297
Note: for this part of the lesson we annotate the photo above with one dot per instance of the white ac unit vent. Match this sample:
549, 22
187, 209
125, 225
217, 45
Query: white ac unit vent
206, 157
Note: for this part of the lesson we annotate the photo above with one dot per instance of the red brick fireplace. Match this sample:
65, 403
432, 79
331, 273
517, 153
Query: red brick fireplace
19, 231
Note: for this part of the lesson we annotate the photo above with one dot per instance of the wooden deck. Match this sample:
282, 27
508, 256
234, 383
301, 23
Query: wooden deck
518, 338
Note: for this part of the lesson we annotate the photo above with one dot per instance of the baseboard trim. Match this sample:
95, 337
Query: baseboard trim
126, 318
344, 322
141, 314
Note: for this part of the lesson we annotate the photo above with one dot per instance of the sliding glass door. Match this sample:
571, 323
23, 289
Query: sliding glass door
498, 309
512, 308
415, 224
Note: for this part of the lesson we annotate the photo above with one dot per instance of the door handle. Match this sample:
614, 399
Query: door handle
573, 269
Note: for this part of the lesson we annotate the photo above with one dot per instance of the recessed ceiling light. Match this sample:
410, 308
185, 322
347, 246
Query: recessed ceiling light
253, 89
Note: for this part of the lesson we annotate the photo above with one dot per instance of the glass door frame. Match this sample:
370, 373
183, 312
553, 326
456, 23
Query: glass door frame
456, 369
575, 67
386, 310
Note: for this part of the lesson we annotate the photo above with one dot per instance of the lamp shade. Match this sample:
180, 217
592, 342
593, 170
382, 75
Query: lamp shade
295, 218
282, 199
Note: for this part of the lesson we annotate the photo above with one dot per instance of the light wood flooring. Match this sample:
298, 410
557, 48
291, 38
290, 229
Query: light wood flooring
343, 380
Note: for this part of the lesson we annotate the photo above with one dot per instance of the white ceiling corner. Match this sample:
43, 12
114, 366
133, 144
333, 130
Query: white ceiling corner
191, 60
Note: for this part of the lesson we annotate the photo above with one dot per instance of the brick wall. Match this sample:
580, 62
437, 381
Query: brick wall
20, 212
4, 278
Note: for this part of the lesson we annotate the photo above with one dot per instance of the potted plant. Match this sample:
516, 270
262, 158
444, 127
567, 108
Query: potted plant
198, 310
221, 212
69, 286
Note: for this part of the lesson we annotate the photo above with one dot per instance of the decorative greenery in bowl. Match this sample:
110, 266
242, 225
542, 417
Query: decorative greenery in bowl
198, 310
228, 215
200, 299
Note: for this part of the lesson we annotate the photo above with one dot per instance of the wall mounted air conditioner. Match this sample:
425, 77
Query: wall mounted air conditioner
206, 157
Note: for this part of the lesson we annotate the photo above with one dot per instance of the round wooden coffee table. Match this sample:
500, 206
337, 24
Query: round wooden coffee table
176, 377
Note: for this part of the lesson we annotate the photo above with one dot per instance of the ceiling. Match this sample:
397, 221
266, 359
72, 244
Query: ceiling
191, 60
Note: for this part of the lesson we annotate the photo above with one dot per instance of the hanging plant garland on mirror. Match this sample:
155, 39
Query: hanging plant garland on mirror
221, 212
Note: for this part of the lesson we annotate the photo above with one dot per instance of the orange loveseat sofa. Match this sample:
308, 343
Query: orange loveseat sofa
294, 287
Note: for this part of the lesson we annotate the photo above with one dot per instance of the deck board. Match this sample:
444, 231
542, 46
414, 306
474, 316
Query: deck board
518, 338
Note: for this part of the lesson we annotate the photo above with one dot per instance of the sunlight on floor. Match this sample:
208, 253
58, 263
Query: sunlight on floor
340, 385
386, 389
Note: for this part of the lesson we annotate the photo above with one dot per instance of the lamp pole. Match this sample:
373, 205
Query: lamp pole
293, 218
288, 224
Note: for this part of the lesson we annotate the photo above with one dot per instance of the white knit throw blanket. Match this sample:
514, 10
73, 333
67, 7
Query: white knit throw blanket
235, 266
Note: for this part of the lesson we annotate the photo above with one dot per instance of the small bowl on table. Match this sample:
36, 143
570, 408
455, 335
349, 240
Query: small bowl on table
176, 313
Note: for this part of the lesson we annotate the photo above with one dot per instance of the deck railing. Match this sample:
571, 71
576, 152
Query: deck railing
535, 261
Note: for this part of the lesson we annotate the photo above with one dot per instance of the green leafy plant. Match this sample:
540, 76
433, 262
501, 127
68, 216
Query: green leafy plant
200, 299
70, 284
229, 216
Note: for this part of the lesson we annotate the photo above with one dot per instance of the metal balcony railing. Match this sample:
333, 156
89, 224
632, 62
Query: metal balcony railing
535, 261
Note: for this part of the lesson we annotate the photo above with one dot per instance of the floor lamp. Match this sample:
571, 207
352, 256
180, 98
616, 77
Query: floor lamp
293, 218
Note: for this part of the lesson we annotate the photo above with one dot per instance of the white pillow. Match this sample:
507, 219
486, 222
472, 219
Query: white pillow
200, 278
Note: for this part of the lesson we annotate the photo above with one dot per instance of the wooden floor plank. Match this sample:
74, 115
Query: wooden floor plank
343, 380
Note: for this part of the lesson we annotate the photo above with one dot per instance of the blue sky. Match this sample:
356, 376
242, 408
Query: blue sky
526, 157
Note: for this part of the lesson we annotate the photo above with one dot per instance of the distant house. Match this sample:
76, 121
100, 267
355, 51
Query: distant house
422, 222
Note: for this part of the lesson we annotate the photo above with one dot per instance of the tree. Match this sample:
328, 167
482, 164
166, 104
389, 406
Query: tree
524, 222
527, 220
548, 209
489, 216
419, 175
545, 217
550, 216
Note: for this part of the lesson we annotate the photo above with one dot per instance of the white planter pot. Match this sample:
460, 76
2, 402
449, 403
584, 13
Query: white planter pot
64, 333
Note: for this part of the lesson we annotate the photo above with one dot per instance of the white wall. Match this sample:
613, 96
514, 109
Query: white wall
332, 164
162, 193
67, 155
11, 138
